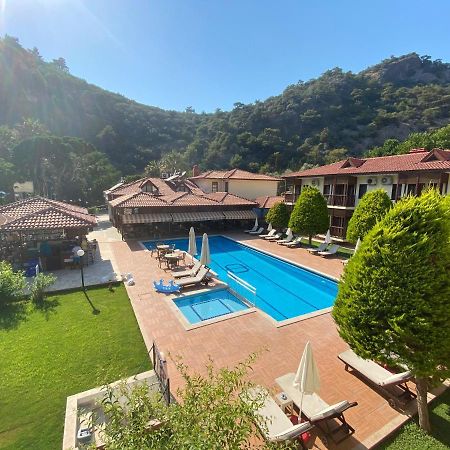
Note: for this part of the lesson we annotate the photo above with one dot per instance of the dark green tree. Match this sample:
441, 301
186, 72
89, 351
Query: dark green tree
371, 208
12, 283
278, 215
393, 304
310, 213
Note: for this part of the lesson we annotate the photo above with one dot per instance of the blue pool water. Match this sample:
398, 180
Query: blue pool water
197, 308
283, 290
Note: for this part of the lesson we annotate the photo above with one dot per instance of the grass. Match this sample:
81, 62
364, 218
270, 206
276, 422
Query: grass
59, 350
411, 437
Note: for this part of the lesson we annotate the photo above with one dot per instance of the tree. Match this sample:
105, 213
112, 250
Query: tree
214, 412
393, 304
278, 215
152, 169
60, 63
12, 283
371, 208
310, 213
37, 289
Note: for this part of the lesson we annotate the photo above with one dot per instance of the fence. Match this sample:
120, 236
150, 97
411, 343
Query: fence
160, 368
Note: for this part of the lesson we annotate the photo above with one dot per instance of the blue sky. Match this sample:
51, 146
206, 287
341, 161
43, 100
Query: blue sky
210, 54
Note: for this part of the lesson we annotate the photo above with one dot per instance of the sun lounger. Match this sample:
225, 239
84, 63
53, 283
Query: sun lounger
393, 386
252, 230
270, 233
274, 424
275, 237
201, 277
319, 412
295, 243
330, 252
320, 248
285, 240
189, 272
258, 231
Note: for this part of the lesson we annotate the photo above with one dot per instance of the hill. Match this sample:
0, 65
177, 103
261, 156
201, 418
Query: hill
311, 122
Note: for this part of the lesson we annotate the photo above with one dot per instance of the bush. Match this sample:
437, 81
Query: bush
12, 283
40, 283
278, 215
371, 208
310, 214
393, 303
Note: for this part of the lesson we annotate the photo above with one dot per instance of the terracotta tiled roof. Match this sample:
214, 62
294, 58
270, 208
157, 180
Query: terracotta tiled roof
416, 160
193, 200
138, 199
267, 202
234, 174
226, 198
50, 218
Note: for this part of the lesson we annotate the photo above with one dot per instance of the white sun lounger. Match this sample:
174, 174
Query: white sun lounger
201, 277
330, 252
189, 272
258, 231
286, 240
274, 424
252, 230
391, 385
270, 233
319, 412
275, 237
295, 243
320, 248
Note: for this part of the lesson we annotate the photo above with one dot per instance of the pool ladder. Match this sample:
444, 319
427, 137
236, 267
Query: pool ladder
244, 284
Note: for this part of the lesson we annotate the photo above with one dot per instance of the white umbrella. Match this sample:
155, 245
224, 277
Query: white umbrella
307, 377
192, 247
327, 238
256, 224
358, 243
205, 256
270, 228
288, 233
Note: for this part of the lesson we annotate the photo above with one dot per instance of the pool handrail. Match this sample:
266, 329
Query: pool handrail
242, 282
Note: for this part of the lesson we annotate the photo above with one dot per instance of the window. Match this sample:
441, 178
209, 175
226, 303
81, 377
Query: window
411, 189
327, 189
215, 186
394, 192
226, 186
362, 190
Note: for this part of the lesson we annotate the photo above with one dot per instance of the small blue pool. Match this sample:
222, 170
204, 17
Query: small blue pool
280, 289
197, 308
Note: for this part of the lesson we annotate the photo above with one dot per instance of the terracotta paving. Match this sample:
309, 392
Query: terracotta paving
232, 340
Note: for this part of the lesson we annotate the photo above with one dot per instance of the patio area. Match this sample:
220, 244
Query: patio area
232, 340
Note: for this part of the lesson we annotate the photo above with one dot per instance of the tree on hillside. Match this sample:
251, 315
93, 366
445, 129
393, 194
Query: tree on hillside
60, 63
310, 214
278, 215
393, 304
371, 208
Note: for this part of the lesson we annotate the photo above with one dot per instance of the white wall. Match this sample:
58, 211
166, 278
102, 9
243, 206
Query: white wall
362, 179
309, 182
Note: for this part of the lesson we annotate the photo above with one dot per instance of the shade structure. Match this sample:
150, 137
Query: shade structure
307, 377
192, 247
239, 215
327, 238
358, 243
205, 256
270, 228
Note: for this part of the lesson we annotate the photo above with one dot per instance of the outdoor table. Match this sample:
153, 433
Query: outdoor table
173, 259
163, 247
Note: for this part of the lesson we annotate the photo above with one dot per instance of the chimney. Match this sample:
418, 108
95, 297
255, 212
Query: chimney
195, 171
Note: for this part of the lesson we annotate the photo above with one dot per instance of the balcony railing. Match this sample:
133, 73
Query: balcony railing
340, 200
338, 232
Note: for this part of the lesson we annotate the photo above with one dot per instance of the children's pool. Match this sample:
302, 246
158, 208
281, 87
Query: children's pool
280, 289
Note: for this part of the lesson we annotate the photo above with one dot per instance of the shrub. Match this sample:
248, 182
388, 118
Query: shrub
278, 215
37, 289
393, 303
12, 283
371, 208
310, 214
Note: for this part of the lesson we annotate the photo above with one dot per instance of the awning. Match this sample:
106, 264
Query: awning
239, 215
146, 218
196, 216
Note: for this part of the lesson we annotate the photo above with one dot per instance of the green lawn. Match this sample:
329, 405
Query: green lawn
49, 354
411, 437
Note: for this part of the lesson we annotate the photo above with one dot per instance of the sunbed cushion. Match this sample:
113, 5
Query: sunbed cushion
292, 432
397, 378
330, 411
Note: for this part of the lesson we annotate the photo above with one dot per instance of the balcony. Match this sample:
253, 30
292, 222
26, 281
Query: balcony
340, 200
338, 232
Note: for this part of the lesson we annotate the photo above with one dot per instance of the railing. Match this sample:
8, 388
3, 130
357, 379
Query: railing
338, 231
244, 284
340, 200
160, 367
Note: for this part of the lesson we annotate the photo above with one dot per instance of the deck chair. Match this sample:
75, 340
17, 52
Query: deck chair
273, 423
295, 243
330, 252
392, 386
270, 233
201, 277
252, 230
286, 240
330, 419
258, 231
189, 272
322, 247
275, 237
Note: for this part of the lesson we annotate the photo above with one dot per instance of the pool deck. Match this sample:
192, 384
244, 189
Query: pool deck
232, 340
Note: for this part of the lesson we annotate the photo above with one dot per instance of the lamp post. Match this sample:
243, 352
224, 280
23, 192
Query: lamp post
80, 253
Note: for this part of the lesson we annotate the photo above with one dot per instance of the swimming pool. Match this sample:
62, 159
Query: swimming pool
210, 305
280, 289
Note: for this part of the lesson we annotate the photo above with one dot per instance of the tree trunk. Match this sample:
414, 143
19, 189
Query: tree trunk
310, 240
422, 405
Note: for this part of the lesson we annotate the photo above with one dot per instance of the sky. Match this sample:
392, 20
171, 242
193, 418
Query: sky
209, 54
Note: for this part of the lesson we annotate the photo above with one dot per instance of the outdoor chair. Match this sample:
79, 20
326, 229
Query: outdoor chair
275, 237
201, 277
392, 386
322, 247
273, 422
270, 233
257, 232
330, 419
286, 240
252, 230
330, 252
189, 272
295, 243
